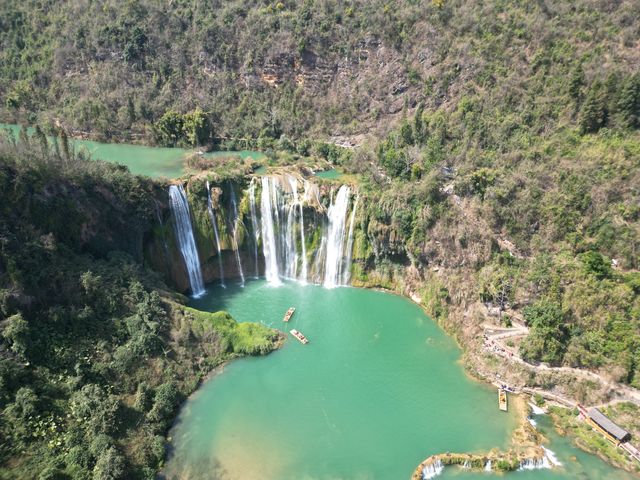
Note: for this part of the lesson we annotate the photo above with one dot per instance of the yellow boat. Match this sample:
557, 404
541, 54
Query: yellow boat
299, 336
502, 399
289, 314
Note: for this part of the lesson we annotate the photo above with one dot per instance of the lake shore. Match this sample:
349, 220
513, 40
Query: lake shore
526, 449
485, 366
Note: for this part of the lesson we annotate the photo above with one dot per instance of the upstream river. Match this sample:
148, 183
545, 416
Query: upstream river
377, 390
140, 159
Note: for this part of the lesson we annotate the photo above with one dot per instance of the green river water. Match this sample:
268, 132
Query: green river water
331, 174
377, 390
141, 160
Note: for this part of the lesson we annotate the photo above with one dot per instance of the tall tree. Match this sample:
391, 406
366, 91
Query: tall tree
593, 114
629, 102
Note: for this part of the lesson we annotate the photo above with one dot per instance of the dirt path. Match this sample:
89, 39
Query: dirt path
494, 343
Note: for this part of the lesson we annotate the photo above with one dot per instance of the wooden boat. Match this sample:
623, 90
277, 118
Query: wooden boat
502, 399
299, 336
289, 314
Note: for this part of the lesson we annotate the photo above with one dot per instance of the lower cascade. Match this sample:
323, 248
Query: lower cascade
551, 457
549, 460
433, 470
184, 236
534, 463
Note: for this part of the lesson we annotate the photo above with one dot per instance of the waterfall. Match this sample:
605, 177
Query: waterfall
346, 274
319, 258
268, 233
254, 222
433, 470
536, 410
282, 214
548, 460
296, 201
186, 240
551, 456
487, 466
282, 231
291, 250
534, 463
234, 229
212, 216
335, 237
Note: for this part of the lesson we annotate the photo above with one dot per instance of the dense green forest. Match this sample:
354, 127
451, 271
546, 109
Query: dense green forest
95, 355
552, 230
258, 69
499, 155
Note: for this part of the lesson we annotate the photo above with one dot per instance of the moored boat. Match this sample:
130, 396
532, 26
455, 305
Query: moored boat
299, 336
289, 314
502, 399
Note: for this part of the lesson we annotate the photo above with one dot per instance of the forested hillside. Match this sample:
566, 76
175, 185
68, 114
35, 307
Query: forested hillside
508, 131
498, 162
95, 356
259, 69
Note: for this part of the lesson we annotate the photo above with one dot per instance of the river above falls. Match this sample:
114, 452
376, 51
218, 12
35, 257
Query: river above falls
152, 162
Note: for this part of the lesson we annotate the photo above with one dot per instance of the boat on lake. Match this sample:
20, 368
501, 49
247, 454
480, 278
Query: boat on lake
299, 336
502, 399
289, 314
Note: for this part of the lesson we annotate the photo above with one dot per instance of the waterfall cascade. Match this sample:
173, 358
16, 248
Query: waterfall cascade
254, 223
269, 246
296, 201
433, 470
216, 235
234, 229
284, 235
346, 273
186, 241
290, 245
487, 466
290, 227
335, 238
319, 261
